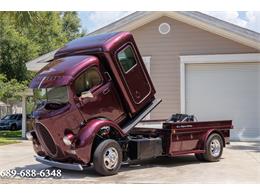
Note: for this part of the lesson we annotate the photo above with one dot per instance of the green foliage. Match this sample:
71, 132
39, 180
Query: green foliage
26, 35
30, 106
30, 75
71, 25
48, 34
11, 134
22, 18
10, 137
10, 89
15, 51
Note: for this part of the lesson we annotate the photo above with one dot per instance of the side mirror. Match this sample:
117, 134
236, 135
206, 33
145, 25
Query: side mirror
86, 94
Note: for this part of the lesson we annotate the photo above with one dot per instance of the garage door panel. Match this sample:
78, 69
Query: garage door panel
226, 91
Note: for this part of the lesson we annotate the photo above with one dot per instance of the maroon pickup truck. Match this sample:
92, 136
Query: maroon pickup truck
91, 97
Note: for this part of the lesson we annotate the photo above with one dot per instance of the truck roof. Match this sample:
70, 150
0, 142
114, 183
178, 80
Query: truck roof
61, 71
92, 44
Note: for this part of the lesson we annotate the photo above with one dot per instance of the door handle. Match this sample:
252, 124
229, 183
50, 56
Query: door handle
106, 91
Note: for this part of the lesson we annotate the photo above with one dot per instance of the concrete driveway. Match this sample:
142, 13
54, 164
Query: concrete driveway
240, 163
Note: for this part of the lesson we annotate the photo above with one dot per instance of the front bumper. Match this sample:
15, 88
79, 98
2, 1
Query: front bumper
68, 166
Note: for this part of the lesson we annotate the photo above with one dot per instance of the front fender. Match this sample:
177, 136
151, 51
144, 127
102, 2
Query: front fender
87, 135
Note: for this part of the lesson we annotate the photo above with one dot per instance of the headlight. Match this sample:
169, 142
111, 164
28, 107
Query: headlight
68, 139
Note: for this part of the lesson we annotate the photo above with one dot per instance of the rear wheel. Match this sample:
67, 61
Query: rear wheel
214, 148
107, 157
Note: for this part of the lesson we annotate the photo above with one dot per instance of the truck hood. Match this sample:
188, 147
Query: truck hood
62, 71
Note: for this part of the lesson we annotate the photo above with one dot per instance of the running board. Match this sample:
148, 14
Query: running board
131, 124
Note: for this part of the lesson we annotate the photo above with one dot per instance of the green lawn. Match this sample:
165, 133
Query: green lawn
10, 137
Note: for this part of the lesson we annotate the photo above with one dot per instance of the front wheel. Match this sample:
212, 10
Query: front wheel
214, 148
107, 157
13, 127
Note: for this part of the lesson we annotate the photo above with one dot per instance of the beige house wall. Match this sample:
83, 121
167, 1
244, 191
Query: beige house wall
165, 50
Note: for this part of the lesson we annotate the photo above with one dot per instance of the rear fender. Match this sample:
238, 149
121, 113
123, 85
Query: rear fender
87, 135
203, 140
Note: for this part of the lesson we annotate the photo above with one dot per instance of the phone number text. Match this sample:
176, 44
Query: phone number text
31, 173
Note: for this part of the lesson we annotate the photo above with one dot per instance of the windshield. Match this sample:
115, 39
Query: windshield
52, 95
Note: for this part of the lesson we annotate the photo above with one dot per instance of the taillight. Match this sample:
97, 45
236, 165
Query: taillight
68, 139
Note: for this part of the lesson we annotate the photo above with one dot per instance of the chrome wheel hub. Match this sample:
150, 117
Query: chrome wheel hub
110, 158
215, 147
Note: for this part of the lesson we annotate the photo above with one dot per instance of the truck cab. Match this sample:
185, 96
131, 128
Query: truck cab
89, 85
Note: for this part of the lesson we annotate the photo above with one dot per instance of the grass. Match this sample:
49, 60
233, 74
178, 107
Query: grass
10, 137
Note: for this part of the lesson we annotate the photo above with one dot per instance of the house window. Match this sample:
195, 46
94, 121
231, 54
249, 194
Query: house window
126, 58
19, 117
88, 80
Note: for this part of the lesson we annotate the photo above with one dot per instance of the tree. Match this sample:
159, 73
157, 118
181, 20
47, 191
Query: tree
10, 89
49, 34
22, 18
15, 50
71, 25
26, 35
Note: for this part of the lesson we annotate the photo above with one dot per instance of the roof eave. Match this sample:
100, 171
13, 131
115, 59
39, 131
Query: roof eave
197, 19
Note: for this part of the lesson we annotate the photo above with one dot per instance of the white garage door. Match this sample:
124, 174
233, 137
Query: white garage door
226, 91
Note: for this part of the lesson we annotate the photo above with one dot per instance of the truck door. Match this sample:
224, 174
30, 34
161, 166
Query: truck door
133, 71
103, 101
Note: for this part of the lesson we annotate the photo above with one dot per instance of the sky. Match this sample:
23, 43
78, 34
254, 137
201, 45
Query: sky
92, 20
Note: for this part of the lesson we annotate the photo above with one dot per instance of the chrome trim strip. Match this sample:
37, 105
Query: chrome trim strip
68, 166
39, 86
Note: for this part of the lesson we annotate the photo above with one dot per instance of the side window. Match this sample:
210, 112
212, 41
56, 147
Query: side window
126, 58
19, 117
89, 79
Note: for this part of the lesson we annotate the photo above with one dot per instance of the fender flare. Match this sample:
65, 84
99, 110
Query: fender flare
203, 140
87, 135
